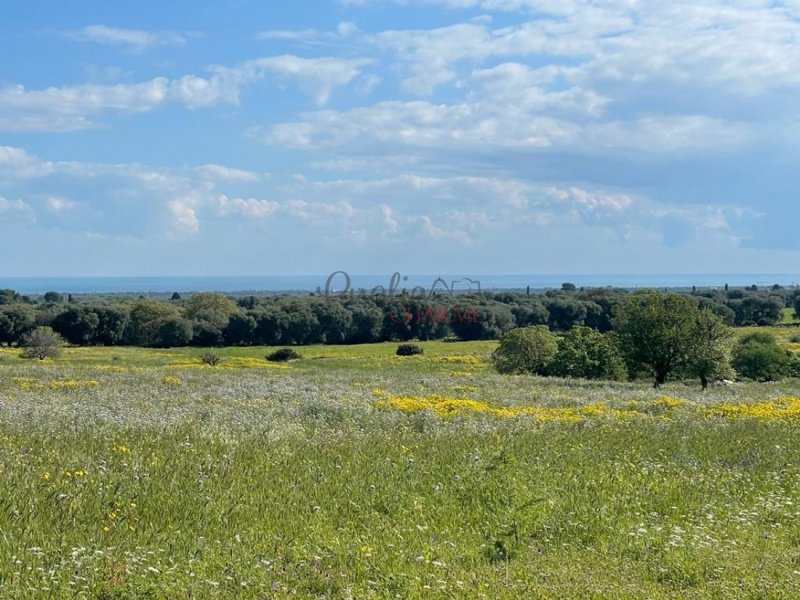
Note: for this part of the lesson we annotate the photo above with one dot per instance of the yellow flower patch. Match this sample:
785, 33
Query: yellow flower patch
786, 407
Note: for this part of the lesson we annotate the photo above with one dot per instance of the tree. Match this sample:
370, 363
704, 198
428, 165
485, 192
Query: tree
112, 322
796, 306
760, 357
566, 312
206, 303
16, 320
526, 350
240, 330
9, 297
146, 317
658, 331
710, 355
42, 343
77, 324
587, 353
53, 298
172, 332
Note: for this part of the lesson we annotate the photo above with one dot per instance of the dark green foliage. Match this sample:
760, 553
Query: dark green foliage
408, 350
760, 357
586, 353
757, 309
77, 324
16, 320
367, 323
111, 324
9, 297
486, 321
530, 312
241, 330
526, 350
53, 297
172, 332
283, 355
41, 343
567, 312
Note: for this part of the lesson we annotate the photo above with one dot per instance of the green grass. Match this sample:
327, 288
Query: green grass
153, 476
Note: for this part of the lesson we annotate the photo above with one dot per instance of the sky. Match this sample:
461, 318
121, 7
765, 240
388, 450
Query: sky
424, 136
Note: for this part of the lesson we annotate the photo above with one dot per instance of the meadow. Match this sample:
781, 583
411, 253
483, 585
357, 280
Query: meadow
353, 473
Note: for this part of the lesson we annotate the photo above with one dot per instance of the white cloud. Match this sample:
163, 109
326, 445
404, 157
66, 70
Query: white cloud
69, 108
134, 38
58, 205
222, 173
249, 207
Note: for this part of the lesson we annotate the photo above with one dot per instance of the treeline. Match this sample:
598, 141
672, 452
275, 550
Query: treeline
209, 319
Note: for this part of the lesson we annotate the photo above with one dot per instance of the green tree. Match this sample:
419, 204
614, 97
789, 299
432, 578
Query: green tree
586, 353
16, 320
657, 331
526, 350
77, 324
760, 357
172, 332
205, 303
41, 343
145, 319
710, 354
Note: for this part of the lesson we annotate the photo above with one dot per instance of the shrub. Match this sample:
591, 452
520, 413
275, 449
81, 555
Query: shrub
760, 357
408, 350
526, 350
795, 339
42, 343
210, 358
283, 355
588, 354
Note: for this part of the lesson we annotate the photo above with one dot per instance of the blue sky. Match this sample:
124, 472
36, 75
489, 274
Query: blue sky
422, 136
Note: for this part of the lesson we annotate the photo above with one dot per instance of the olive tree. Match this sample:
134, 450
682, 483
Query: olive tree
41, 343
526, 350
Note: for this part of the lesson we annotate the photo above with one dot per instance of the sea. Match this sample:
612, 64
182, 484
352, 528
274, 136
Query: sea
339, 282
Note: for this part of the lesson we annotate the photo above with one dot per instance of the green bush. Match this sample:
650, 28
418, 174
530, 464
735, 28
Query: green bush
408, 350
760, 357
283, 355
526, 350
586, 353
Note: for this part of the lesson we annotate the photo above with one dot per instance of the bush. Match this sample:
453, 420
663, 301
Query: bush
586, 353
408, 350
210, 358
760, 357
283, 355
795, 339
526, 350
42, 343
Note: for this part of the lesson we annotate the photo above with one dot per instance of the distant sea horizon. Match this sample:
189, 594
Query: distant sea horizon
310, 283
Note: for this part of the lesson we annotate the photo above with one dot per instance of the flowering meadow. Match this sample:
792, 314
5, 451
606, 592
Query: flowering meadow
353, 473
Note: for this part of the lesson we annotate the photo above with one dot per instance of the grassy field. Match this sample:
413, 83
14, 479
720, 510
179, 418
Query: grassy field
352, 473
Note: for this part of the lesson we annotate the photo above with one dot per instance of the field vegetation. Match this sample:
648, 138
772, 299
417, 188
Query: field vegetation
354, 472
